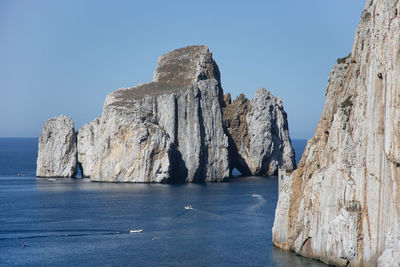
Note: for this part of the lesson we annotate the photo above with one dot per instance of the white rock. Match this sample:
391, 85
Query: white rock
129, 150
181, 105
57, 148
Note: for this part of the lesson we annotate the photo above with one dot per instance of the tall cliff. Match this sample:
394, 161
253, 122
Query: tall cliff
180, 113
342, 204
172, 129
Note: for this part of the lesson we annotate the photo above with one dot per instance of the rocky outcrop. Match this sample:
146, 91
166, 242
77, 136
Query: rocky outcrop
341, 205
128, 149
179, 110
172, 129
57, 148
259, 134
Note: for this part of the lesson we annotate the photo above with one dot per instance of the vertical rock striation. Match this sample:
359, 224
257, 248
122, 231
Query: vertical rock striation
172, 129
180, 110
57, 148
260, 140
86, 140
342, 204
128, 149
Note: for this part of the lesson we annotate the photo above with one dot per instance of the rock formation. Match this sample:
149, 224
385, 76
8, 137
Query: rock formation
180, 110
86, 141
57, 148
172, 129
260, 141
342, 204
130, 150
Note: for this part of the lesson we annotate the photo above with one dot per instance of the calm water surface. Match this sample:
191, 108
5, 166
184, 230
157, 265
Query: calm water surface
72, 222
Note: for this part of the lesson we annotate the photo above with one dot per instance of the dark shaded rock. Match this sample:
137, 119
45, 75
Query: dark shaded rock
259, 135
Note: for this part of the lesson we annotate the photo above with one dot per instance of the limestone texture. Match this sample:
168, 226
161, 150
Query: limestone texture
172, 129
259, 134
57, 148
85, 144
130, 150
180, 115
342, 204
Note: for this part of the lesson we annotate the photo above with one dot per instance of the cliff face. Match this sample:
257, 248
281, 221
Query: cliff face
342, 204
180, 110
260, 140
128, 149
57, 148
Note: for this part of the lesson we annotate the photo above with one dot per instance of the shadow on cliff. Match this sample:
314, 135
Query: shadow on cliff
179, 172
237, 161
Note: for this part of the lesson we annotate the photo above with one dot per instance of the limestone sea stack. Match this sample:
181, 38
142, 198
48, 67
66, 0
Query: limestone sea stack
180, 117
172, 129
57, 148
342, 204
259, 134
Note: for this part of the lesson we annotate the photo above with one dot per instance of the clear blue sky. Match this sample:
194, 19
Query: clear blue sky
64, 57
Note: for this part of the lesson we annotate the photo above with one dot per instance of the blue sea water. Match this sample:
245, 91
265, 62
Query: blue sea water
74, 222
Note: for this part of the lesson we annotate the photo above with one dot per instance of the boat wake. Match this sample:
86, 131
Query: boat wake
29, 234
208, 213
191, 210
260, 201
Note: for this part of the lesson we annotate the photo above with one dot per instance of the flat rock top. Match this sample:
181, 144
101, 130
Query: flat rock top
176, 71
180, 66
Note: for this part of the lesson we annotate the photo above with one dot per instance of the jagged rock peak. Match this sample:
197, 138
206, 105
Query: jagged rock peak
259, 134
57, 148
227, 99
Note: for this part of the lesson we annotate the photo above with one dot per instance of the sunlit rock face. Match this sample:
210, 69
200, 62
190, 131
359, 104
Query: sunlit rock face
57, 148
168, 129
259, 134
342, 204
173, 129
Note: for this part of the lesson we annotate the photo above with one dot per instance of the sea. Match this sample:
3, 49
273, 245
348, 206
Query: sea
75, 222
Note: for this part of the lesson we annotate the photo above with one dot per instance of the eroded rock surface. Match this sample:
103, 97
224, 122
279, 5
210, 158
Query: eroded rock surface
57, 148
181, 107
342, 204
260, 140
172, 129
128, 149
86, 141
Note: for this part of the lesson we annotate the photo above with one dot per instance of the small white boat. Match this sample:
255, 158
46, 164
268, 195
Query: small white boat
134, 231
52, 179
255, 195
188, 207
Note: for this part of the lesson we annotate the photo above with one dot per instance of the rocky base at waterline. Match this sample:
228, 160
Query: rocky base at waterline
174, 129
342, 205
